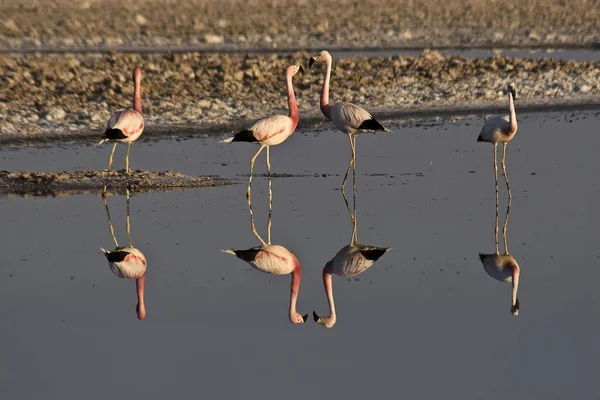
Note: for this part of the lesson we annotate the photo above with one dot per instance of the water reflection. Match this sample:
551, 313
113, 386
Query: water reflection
127, 262
273, 259
503, 267
351, 260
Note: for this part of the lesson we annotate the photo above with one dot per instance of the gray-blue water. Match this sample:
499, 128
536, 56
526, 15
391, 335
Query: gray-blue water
424, 322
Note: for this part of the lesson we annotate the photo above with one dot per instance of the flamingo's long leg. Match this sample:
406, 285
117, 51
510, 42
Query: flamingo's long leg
269, 179
349, 164
127, 158
128, 222
248, 193
110, 160
110, 225
496, 180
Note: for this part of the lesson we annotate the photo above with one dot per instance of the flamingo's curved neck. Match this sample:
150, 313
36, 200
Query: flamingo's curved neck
328, 283
292, 100
515, 286
513, 115
294, 289
325, 107
137, 95
141, 307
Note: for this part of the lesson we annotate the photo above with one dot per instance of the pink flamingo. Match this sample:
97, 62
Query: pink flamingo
127, 262
504, 268
126, 126
351, 260
271, 131
501, 129
347, 117
277, 260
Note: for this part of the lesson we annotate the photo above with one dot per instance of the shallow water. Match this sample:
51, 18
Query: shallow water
425, 321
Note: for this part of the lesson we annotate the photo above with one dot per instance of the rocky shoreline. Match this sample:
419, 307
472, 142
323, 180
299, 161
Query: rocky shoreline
70, 94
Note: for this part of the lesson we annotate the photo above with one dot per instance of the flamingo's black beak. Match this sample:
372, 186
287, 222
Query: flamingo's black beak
316, 317
515, 308
312, 61
301, 69
304, 317
513, 91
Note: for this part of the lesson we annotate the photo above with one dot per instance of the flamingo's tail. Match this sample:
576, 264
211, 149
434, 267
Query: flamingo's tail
229, 251
227, 140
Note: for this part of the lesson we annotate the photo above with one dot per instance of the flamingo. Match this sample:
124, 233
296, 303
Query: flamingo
126, 126
351, 260
503, 267
501, 129
271, 131
347, 117
276, 260
127, 262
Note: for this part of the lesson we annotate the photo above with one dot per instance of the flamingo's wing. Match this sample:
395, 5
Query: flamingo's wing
272, 259
266, 128
357, 258
348, 114
129, 122
494, 126
275, 259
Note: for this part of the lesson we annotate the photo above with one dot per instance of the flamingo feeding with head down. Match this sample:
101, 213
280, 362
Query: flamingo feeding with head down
126, 126
351, 260
503, 267
273, 130
501, 130
347, 117
127, 262
277, 260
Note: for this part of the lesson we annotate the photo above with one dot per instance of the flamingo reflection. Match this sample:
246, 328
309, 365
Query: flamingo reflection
273, 259
503, 267
127, 262
351, 260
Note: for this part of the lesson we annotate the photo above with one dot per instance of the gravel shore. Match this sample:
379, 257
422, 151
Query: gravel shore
72, 94
297, 24
57, 184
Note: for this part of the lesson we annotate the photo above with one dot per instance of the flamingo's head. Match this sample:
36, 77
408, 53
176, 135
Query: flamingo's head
322, 56
293, 70
514, 309
327, 322
137, 75
297, 318
512, 90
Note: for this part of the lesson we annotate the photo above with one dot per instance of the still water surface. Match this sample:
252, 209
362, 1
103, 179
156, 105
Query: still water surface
425, 321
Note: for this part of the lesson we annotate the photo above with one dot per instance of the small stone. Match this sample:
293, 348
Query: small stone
213, 39
11, 26
238, 76
54, 114
140, 20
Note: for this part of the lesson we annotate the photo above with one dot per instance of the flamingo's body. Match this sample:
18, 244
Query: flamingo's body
126, 126
503, 268
347, 117
129, 263
273, 130
351, 260
276, 260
